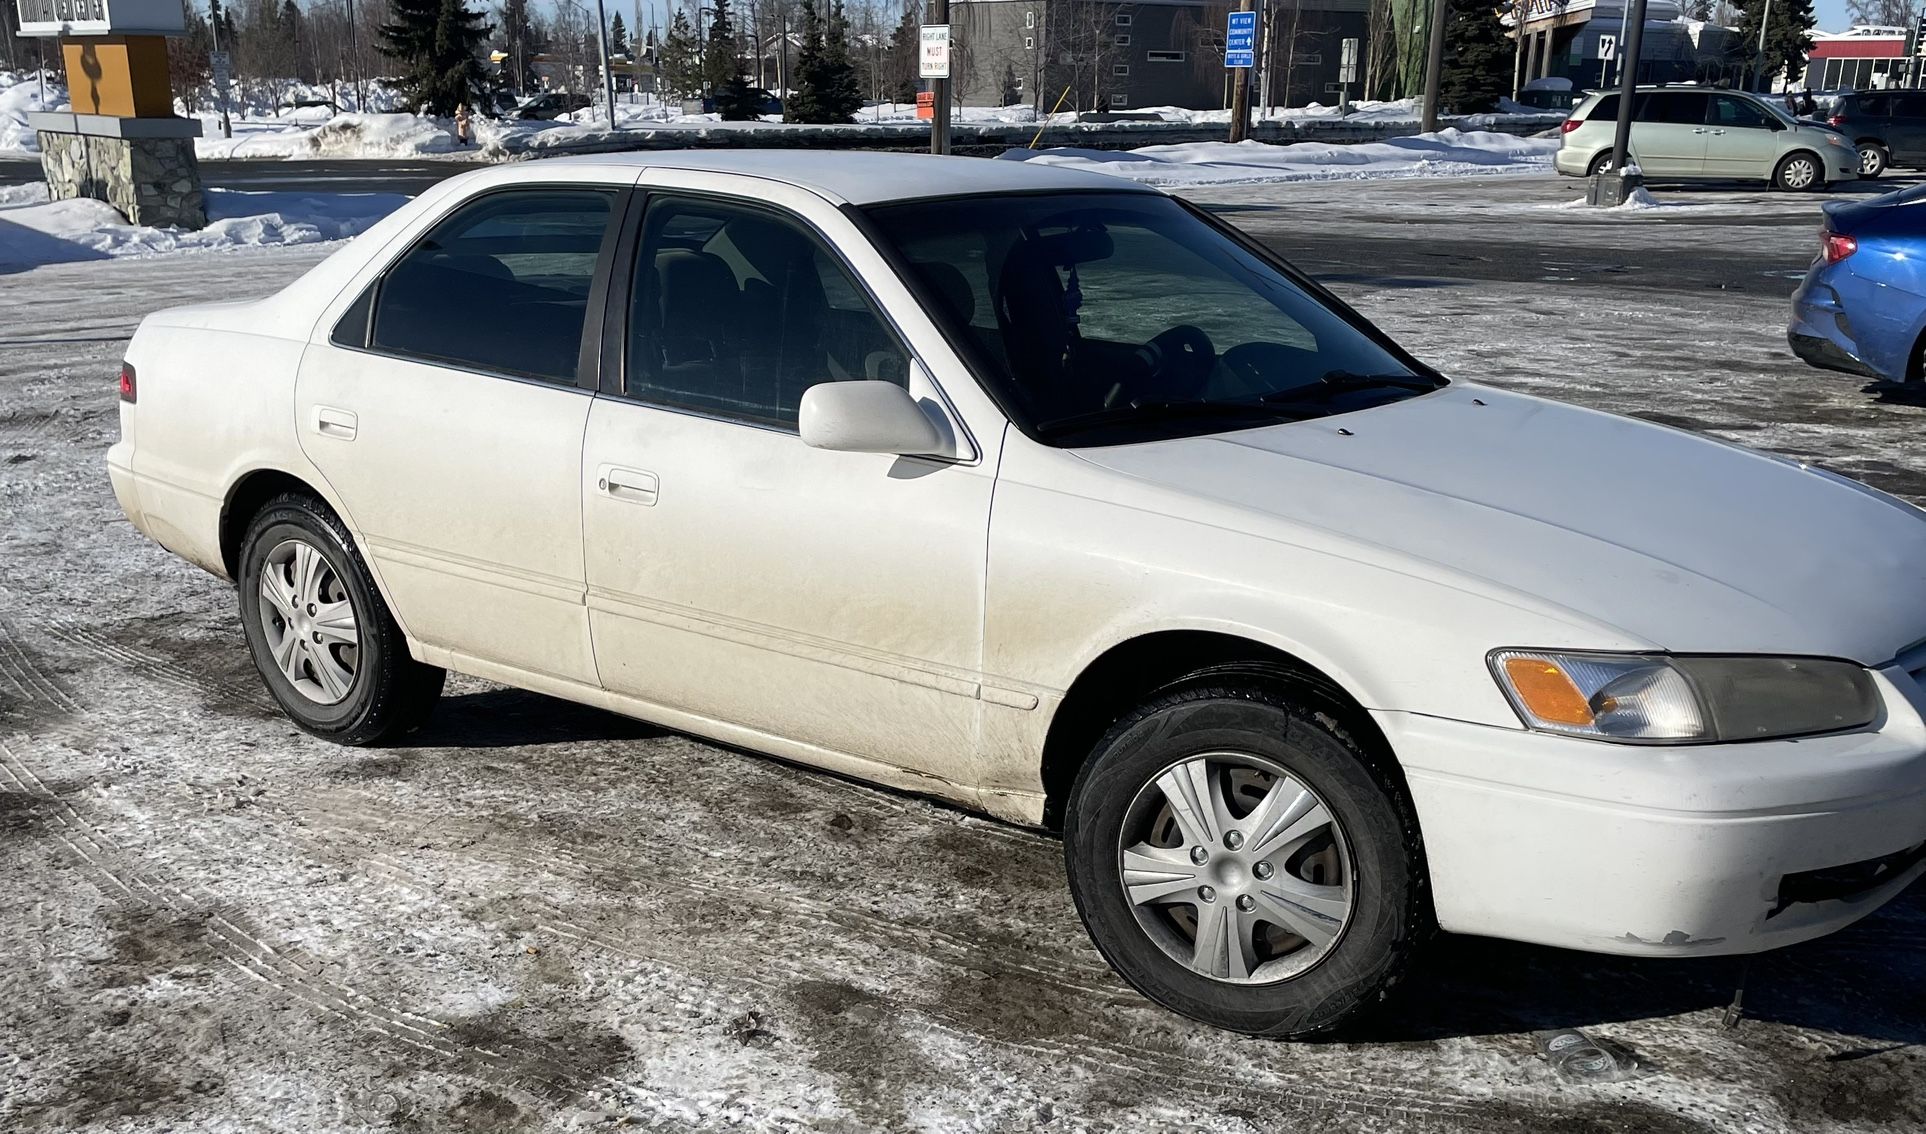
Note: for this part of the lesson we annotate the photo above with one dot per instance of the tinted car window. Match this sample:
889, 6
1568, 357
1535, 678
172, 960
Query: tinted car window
1604, 110
736, 311
1737, 113
1908, 106
502, 285
1682, 107
1101, 317
1874, 106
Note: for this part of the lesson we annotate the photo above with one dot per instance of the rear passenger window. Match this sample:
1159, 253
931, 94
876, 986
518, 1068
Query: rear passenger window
1604, 110
1873, 106
736, 311
1682, 108
502, 285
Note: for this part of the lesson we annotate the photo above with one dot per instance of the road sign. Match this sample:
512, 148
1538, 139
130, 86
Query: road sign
1240, 41
1348, 61
934, 62
221, 63
1608, 47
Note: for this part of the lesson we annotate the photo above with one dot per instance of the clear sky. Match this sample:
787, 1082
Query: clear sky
1832, 15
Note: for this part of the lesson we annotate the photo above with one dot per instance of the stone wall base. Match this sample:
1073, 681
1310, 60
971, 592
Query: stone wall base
152, 181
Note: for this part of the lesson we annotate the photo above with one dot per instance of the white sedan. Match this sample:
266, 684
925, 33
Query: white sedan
1052, 496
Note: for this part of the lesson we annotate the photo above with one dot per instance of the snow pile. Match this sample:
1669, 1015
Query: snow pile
20, 96
35, 231
1446, 153
313, 132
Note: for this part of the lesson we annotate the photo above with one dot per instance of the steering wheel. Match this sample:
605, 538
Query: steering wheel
1180, 360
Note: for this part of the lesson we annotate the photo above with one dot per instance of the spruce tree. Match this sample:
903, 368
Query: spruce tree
1788, 39
842, 91
438, 43
1477, 59
618, 36
899, 64
720, 62
738, 100
804, 103
678, 71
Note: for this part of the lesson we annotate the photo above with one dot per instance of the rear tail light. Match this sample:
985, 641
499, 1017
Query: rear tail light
1570, 124
127, 391
1837, 247
1836, 120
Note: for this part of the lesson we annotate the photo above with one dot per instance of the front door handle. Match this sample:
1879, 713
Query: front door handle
636, 486
338, 423
1701, 130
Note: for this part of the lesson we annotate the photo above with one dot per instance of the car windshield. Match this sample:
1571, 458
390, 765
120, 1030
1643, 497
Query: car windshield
1100, 318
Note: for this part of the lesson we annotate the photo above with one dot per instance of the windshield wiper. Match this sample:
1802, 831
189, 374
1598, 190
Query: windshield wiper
1138, 411
1343, 381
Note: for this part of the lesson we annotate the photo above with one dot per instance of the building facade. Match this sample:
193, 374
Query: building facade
1864, 57
1104, 55
1563, 39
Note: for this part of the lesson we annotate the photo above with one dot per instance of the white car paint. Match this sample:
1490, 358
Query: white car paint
918, 621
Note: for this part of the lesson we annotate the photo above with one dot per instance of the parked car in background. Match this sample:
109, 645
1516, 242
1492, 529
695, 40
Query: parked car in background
1057, 497
1699, 133
1888, 128
1862, 306
552, 104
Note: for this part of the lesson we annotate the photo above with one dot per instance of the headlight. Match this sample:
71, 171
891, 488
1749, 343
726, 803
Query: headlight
1655, 699
1834, 139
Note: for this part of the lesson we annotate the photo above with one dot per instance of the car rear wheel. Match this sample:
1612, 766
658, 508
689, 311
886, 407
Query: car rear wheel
1800, 172
1873, 159
319, 633
1239, 858
1600, 164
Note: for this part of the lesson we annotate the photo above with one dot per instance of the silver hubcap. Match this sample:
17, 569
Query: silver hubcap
1236, 869
1800, 173
309, 622
1869, 160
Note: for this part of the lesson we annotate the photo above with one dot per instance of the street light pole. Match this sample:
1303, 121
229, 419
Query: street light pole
1434, 63
1627, 92
602, 45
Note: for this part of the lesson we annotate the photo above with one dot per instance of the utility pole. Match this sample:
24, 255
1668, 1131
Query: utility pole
1518, 49
1758, 64
936, 35
1240, 50
1612, 188
1264, 64
1434, 63
220, 65
354, 53
608, 72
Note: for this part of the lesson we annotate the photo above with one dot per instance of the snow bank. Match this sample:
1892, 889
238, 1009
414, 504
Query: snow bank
1445, 153
20, 96
36, 231
314, 133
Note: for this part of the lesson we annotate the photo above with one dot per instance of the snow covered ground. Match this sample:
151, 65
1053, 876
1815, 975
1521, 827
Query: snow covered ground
1447, 153
539, 917
36, 231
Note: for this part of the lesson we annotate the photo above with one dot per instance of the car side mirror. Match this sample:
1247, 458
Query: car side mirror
867, 417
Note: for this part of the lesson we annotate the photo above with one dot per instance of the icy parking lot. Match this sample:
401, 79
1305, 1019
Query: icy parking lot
539, 916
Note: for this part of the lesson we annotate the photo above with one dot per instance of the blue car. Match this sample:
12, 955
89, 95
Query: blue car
1862, 307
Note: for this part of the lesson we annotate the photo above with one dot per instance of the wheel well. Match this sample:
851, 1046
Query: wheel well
1132, 672
244, 500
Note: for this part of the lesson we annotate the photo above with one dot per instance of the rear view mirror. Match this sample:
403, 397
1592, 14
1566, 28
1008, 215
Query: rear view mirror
868, 417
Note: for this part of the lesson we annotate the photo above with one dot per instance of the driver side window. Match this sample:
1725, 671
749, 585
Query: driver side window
1149, 285
737, 310
1737, 112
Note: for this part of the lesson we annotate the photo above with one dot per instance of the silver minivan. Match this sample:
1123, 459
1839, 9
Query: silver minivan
1698, 132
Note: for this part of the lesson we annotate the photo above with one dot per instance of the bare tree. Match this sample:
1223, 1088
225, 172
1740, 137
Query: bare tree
1887, 13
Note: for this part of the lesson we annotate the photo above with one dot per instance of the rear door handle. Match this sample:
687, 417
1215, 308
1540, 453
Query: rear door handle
636, 486
331, 422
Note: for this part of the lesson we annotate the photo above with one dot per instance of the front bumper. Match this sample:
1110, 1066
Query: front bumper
1696, 850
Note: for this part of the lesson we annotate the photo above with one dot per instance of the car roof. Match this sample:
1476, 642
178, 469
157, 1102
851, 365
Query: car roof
861, 177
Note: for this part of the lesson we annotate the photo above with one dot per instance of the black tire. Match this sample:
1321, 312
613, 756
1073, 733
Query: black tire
1600, 164
1873, 160
390, 693
1389, 914
1787, 174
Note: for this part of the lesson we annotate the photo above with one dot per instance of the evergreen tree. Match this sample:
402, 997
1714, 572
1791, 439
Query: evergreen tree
738, 100
825, 83
899, 65
720, 59
1477, 59
516, 29
1788, 39
618, 36
438, 43
678, 72
1008, 92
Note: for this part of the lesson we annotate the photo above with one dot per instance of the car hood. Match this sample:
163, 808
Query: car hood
1671, 540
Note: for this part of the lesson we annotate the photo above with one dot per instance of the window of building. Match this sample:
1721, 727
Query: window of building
1120, 69
1123, 19
738, 310
1029, 20
1118, 98
1122, 41
1029, 43
1163, 57
502, 285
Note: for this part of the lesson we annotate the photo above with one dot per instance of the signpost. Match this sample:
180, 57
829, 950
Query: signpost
1347, 73
933, 64
1607, 51
1240, 55
221, 64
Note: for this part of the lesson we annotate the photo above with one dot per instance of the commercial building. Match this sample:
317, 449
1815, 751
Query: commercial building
1564, 39
1865, 56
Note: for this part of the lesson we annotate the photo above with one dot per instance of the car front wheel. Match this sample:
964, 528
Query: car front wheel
1239, 858
1800, 173
320, 635
1872, 159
